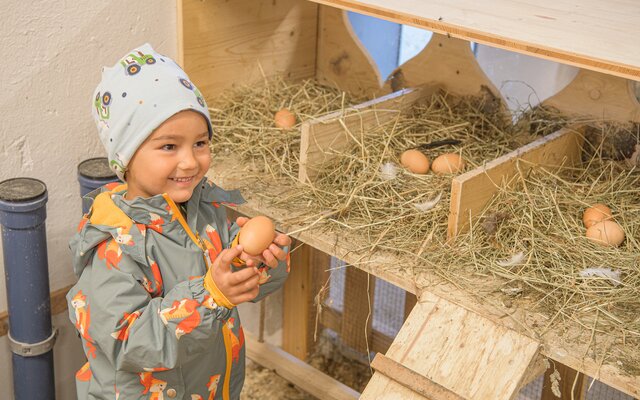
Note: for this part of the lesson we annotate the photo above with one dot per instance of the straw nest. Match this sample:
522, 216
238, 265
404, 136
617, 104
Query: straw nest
244, 122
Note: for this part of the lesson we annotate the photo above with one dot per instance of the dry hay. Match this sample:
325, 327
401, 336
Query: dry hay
243, 120
363, 189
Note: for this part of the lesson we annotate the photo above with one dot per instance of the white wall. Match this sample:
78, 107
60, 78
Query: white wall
51, 54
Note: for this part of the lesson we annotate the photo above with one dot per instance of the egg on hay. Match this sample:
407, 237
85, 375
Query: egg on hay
450, 163
284, 119
596, 213
415, 161
256, 235
606, 233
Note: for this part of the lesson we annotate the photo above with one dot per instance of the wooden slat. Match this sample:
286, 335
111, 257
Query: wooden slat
342, 60
357, 315
447, 62
411, 379
571, 384
299, 311
590, 34
226, 43
297, 372
471, 191
459, 350
598, 96
328, 133
410, 301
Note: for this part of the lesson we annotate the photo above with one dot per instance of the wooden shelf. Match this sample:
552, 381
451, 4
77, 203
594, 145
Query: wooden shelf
595, 35
555, 344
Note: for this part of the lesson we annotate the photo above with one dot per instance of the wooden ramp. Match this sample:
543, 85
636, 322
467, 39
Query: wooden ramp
446, 352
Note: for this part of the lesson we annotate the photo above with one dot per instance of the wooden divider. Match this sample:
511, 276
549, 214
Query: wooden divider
471, 191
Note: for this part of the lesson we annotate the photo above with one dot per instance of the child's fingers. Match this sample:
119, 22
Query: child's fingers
277, 252
247, 296
240, 221
282, 240
227, 255
269, 259
239, 277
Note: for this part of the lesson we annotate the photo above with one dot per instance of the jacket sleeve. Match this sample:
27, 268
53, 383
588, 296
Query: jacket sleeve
116, 316
271, 279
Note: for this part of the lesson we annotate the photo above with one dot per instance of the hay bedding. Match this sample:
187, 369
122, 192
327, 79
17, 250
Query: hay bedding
528, 248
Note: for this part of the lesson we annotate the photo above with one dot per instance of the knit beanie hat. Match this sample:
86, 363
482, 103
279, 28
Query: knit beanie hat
137, 95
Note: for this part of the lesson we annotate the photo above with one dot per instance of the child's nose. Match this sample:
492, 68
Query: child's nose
188, 161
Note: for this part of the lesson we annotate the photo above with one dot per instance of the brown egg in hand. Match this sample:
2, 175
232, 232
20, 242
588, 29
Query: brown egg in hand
284, 119
256, 235
415, 161
606, 233
595, 214
450, 163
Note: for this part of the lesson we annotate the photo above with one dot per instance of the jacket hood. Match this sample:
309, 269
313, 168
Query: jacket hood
126, 221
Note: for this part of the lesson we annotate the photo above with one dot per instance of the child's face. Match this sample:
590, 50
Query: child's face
173, 159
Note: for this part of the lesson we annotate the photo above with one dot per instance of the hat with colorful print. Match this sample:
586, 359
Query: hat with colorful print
137, 95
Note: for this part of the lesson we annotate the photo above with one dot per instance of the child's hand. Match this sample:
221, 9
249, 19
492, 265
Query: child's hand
238, 287
272, 255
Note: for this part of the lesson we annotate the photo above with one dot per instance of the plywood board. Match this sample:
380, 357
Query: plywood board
224, 43
330, 133
591, 34
459, 350
598, 96
342, 60
471, 191
447, 62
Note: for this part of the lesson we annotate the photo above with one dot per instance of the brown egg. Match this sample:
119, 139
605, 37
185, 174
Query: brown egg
257, 234
415, 161
284, 119
595, 214
606, 233
450, 163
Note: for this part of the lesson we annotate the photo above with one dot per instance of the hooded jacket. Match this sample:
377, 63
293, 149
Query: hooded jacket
149, 327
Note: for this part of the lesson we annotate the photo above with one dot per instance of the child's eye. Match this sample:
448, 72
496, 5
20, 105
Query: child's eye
201, 143
169, 147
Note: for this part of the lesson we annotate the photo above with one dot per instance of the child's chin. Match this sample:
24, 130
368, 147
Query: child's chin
180, 196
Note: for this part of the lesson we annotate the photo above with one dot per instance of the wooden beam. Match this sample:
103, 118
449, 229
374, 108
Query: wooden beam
471, 191
299, 312
410, 301
297, 372
570, 384
411, 379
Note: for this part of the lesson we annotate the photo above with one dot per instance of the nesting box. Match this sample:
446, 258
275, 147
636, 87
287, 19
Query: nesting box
223, 43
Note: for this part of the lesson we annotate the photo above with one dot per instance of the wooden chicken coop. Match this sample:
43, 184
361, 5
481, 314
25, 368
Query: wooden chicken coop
453, 345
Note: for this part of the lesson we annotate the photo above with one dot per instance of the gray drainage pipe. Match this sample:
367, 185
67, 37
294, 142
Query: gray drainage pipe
24, 245
92, 174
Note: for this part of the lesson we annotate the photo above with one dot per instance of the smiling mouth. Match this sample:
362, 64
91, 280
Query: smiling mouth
183, 180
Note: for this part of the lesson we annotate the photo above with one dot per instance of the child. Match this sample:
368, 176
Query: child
159, 271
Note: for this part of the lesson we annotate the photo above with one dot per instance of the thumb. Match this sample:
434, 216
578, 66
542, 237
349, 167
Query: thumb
226, 256
240, 221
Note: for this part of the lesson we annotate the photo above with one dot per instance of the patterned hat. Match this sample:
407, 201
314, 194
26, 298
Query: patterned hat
137, 95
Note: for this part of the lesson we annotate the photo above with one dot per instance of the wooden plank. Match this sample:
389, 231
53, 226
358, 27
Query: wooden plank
297, 372
459, 350
342, 61
598, 96
471, 191
447, 62
298, 310
570, 385
357, 315
566, 31
58, 305
411, 379
328, 133
234, 43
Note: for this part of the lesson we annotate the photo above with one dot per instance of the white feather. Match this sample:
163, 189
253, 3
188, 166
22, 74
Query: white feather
428, 205
607, 273
514, 260
388, 171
